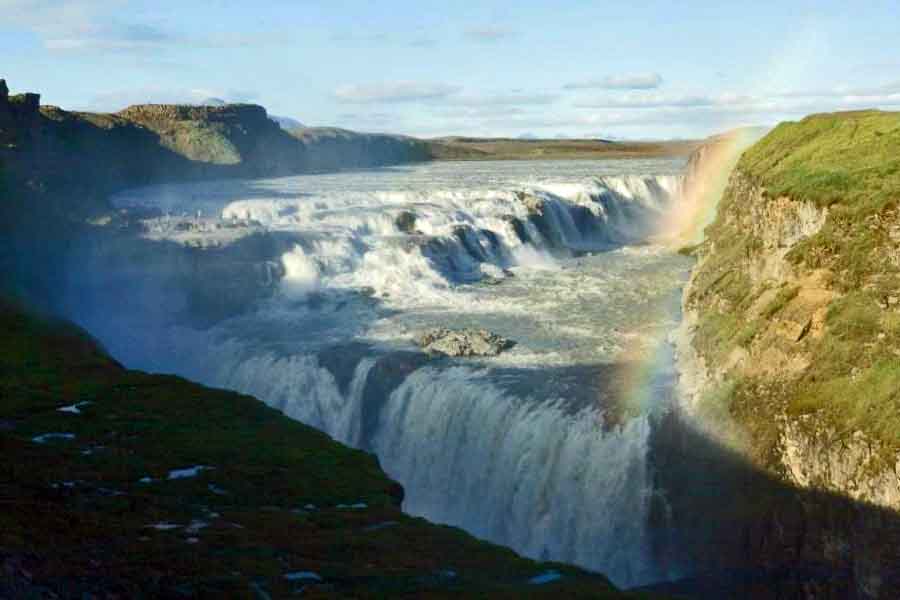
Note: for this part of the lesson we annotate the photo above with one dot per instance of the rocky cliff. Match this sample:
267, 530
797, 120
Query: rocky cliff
68, 163
58, 169
793, 323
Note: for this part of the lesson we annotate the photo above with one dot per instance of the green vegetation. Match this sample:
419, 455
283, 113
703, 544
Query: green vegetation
846, 158
99, 512
204, 142
461, 148
847, 371
849, 163
785, 295
868, 400
856, 373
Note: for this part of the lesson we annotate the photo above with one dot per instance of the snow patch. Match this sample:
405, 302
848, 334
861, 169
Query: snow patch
303, 575
188, 472
74, 409
43, 439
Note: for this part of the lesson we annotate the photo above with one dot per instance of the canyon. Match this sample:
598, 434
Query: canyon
774, 473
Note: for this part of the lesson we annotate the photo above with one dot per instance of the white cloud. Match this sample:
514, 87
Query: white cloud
110, 36
423, 42
632, 81
488, 33
791, 102
511, 99
102, 25
391, 92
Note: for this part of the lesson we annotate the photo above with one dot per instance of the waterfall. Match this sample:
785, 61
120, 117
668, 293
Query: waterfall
330, 285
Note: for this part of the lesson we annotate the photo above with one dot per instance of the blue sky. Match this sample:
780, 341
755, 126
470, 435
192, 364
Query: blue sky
657, 70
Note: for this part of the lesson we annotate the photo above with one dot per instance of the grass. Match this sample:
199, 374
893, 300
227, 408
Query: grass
77, 511
868, 401
781, 299
847, 158
848, 164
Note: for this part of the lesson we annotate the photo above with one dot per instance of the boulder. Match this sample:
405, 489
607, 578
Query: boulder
406, 221
534, 204
463, 342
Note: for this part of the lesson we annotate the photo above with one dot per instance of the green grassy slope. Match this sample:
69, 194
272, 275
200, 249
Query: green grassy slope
97, 510
846, 158
837, 310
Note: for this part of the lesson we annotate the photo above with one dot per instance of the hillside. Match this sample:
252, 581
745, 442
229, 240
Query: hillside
793, 320
51, 156
117, 483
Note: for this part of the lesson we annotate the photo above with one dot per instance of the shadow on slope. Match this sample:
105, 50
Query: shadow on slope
740, 533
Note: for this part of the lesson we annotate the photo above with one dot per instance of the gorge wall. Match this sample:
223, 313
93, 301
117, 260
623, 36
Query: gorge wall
58, 168
792, 319
70, 162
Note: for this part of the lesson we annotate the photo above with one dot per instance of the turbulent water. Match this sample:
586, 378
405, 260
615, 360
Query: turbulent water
544, 448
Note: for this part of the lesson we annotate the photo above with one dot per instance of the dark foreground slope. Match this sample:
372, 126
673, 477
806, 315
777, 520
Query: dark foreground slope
105, 497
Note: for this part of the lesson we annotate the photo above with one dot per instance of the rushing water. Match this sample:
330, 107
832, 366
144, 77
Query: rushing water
544, 448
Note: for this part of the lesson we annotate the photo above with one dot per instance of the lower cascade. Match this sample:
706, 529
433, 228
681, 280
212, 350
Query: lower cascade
309, 293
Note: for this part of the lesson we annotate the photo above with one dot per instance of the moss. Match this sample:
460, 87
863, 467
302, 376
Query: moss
854, 317
868, 400
715, 335
784, 296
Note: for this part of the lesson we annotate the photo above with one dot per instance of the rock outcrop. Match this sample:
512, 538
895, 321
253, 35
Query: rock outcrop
58, 168
463, 342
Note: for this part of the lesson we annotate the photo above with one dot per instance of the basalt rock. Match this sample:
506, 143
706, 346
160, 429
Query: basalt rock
463, 342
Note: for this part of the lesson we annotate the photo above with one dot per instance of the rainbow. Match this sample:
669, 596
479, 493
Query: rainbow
708, 171
646, 357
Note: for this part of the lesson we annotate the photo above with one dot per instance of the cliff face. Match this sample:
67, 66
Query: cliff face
69, 162
240, 135
58, 169
793, 328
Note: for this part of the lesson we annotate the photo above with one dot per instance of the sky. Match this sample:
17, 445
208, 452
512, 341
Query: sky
647, 70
